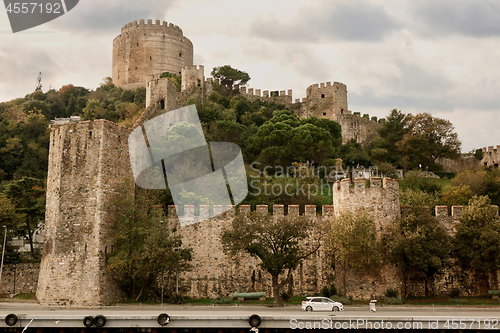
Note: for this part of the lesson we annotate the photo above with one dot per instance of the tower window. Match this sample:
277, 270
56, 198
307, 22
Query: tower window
162, 104
180, 54
324, 113
137, 44
149, 58
322, 95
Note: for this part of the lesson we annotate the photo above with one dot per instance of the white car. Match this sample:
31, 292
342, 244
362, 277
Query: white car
321, 304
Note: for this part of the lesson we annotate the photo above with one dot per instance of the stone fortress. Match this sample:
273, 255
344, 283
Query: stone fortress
145, 49
89, 160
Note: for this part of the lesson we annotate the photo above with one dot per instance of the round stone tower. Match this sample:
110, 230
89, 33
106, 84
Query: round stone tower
143, 49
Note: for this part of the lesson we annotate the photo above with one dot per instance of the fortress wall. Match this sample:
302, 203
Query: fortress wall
215, 274
19, 278
87, 163
360, 129
145, 48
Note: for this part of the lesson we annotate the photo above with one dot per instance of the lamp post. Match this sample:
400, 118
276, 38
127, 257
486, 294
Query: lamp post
161, 263
3, 250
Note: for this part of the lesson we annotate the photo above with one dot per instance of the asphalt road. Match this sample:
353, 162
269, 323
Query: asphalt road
449, 317
289, 310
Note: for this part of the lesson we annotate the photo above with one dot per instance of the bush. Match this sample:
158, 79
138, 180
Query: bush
223, 300
393, 300
285, 296
454, 292
458, 301
391, 293
176, 299
328, 291
340, 299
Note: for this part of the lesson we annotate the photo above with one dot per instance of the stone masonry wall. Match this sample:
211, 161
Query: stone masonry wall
381, 201
360, 129
215, 274
87, 163
19, 278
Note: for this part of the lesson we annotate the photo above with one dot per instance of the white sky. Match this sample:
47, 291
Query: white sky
441, 57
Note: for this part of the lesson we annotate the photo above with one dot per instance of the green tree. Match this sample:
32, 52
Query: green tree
456, 196
476, 242
143, 247
280, 244
284, 139
427, 139
473, 179
391, 132
28, 196
418, 198
353, 243
72, 107
418, 245
229, 77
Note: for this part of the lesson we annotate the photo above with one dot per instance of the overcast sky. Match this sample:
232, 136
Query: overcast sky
441, 57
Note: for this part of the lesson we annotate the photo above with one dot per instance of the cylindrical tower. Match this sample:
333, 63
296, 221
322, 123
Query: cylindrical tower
144, 49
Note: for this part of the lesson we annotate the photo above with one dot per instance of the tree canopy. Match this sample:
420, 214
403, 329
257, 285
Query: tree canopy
476, 242
418, 245
144, 247
229, 77
353, 244
428, 138
279, 243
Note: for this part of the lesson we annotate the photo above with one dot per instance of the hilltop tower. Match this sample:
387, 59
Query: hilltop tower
143, 49
325, 100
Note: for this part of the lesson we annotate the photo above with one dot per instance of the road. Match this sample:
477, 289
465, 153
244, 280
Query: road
237, 316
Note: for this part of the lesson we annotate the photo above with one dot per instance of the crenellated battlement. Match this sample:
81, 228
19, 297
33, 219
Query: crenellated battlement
194, 67
456, 211
265, 93
149, 24
359, 185
379, 197
322, 85
276, 211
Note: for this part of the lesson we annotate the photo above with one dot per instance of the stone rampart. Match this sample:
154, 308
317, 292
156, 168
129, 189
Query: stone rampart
215, 274
361, 129
19, 278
